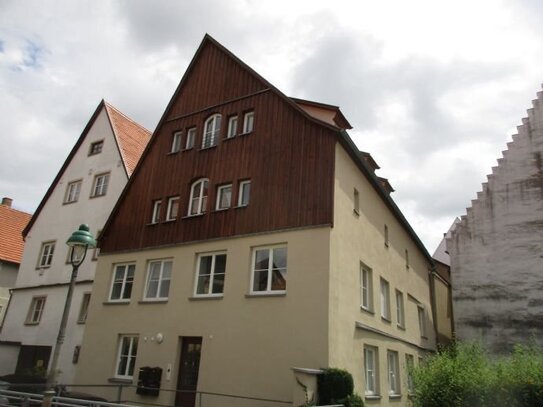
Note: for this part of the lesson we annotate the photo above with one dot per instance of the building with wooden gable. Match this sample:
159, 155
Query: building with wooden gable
255, 242
84, 191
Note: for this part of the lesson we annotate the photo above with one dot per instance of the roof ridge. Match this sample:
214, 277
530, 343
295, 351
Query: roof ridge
109, 105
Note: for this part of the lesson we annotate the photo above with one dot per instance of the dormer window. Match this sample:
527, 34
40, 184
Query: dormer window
232, 127
212, 130
176, 142
191, 135
96, 147
248, 122
198, 197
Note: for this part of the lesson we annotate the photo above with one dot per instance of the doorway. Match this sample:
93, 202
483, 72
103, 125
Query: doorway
189, 366
33, 360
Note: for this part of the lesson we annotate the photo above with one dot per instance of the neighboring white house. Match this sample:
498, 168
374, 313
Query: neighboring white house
84, 191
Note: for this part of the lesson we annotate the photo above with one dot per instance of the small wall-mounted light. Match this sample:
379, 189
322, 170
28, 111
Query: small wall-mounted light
159, 338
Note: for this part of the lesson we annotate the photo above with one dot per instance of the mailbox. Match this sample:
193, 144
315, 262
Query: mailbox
149, 381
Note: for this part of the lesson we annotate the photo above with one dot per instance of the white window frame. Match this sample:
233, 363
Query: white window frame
99, 144
212, 274
393, 369
269, 289
421, 312
176, 141
198, 202
73, 190
366, 288
157, 205
400, 309
131, 356
241, 190
371, 371
46, 255
100, 184
35, 311
221, 190
385, 299
125, 282
232, 127
169, 212
191, 136
84, 308
163, 278
212, 131
409, 365
248, 122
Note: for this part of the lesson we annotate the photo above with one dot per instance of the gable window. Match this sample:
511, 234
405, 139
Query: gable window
269, 274
232, 127
173, 208
46, 254
101, 182
96, 147
244, 191
84, 310
356, 199
35, 311
224, 197
126, 356
248, 122
158, 280
370, 370
393, 373
212, 129
422, 320
366, 288
123, 279
72, 192
156, 211
176, 141
400, 314
198, 197
191, 136
210, 274
385, 300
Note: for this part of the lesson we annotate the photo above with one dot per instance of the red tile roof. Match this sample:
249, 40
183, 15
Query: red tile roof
12, 223
131, 137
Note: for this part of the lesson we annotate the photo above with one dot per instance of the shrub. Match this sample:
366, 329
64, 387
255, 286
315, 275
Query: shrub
334, 386
354, 400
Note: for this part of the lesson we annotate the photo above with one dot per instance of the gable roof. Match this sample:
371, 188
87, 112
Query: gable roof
12, 223
130, 137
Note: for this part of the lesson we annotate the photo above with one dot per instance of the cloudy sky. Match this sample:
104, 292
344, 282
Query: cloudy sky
433, 89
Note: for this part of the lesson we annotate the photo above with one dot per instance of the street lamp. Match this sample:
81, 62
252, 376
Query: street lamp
79, 242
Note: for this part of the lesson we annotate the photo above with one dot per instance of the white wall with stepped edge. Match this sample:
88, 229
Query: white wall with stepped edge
496, 249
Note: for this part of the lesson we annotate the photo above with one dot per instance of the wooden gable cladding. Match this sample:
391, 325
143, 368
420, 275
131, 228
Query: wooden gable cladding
288, 158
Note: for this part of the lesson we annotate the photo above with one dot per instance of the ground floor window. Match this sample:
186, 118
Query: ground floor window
370, 368
126, 357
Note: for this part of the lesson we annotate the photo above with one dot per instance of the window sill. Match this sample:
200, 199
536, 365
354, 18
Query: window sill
220, 210
119, 380
125, 302
394, 396
208, 148
385, 319
96, 196
197, 215
169, 220
152, 223
367, 310
230, 138
246, 133
241, 206
372, 397
386, 245
356, 212
32, 323
206, 297
81, 322
153, 301
41, 268
266, 294
173, 152
402, 327
69, 203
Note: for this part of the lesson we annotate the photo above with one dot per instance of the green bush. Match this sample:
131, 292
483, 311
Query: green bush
354, 400
465, 375
334, 386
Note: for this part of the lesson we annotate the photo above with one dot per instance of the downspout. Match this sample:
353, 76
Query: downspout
431, 272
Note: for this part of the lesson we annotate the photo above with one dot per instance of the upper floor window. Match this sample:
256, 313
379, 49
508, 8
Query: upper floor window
210, 275
385, 300
99, 187
198, 197
244, 191
406, 258
72, 191
158, 280
36, 310
232, 126
366, 288
173, 208
422, 320
400, 314
191, 135
248, 122
212, 129
386, 235
84, 310
269, 274
356, 199
176, 142
46, 254
126, 356
123, 279
224, 197
96, 147
156, 211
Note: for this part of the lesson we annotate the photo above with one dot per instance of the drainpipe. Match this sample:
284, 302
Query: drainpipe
431, 273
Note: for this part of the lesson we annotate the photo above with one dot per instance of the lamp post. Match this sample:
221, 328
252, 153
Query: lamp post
79, 242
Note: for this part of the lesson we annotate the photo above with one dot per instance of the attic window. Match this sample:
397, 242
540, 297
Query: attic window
96, 147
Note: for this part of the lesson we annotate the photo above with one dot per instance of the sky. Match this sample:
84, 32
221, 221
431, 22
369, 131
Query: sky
433, 89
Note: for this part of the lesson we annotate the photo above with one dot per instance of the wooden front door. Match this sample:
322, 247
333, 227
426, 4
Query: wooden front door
189, 365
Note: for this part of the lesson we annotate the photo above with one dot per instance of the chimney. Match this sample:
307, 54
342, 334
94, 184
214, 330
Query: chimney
7, 201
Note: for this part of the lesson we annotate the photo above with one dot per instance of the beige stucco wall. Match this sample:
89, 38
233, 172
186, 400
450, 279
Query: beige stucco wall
357, 239
249, 344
